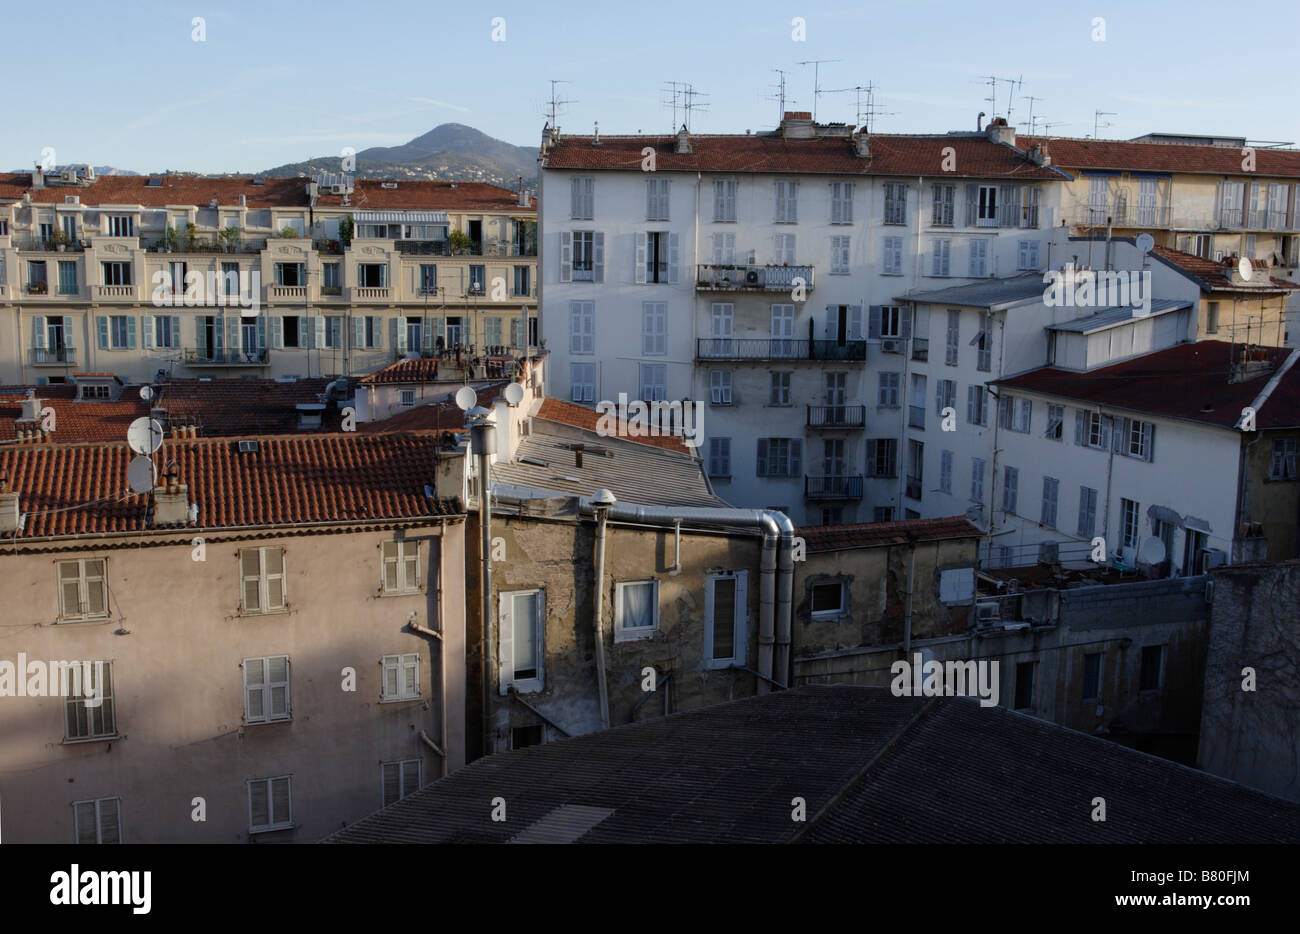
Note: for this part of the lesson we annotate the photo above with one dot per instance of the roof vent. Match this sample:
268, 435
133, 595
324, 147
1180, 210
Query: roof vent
388, 184
154, 183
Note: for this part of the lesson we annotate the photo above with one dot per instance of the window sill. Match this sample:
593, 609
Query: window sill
81, 619
271, 829
720, 664
268, 722
399, 700
91, 739
635, 635
245, 614
401, 593
720, 476
831, 616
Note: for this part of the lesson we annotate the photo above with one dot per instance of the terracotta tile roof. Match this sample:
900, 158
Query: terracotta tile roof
287, 481
879, 534
1118, 155
180, 189
419, 370
905, 156
13, 184
443, 416
427, 195
1187, 381
579, 416
1215, 275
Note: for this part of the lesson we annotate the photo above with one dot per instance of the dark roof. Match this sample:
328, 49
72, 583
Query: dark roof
871, 767
369, 194
1119, 155
986, 293
79, 489
878, 534
1215, 275
892, 155
1187, 381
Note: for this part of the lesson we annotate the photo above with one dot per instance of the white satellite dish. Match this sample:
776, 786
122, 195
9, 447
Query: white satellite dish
146, 393
1245, 268
1151, 551
141, 474
1145, 242
466, 398
145, 435
514, 394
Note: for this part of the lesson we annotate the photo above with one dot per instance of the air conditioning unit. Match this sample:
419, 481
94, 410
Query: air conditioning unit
1208, 558
72, 199
339, 189
891, 346
988, 613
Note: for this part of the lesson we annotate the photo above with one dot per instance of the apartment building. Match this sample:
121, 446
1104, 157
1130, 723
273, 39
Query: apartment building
760, 273
234, 276
273, 638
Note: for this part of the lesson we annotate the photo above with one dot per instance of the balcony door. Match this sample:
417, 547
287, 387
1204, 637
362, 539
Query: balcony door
248, 338
835, 466
722, 328
453, 332
836, 397
783, 330
1147, 202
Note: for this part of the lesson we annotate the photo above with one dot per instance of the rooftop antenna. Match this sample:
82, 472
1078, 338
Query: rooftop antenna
780, 96
673, 91
555, 106
817, 90
992, 82
1030, 125
690, 104
865, 115
1097, 121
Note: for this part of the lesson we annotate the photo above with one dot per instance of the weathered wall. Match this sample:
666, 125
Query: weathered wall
1253, 737
1274, 503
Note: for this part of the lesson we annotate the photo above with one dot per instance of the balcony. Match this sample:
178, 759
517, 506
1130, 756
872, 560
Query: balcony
368, 293
206, 245
37, 245
202, 356
762, 349
287, 293
101, 293
832, 487
752, 278
53, 356
1119, 214
837, 416
38, 288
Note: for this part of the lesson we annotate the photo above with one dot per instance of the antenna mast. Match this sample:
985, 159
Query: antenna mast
555, 106
1097, 121
817, 90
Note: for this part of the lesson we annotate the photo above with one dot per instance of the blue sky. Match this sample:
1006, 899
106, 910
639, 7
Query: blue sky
279, 81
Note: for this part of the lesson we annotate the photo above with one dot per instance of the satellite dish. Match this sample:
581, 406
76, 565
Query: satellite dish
146, 393
1151, 551
1145, 242
466, 398
1245, 269
145, 435
141, 475
514, 394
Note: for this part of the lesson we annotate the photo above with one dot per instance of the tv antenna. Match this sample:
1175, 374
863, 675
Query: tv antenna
555, 107
1029, 125
690, 104
864, 115
992, 82
780, 95
817, 89
1097, 122
681, 95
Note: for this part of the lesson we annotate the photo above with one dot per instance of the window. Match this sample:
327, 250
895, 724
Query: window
1029, 206
121, 332
428, 279
372, 275
979, 258
90, 708
1249, 250
121, 225
725, 602
407, 398
1092, 430
291, 274
887, 394
892, 264
941, 251
1015, 414
943, 201
636, 609
83, 589
521, 737
262, 574
719, 457
724, 249
36, 281
1283, 463
1010, 488
166, 331
882, 457
724, 201
401, 559
333, 332
660, 264
582, 198
1140, 438
1092, 676
1151, 675
399, 779
833, 515
783, 252
582, 327
986, 206
582, 382
654, 382
915, 468
1055, 422
67, 278
953, 337
266, 689
1051, 493
522, 281
977, 479
477, 279
1027, 254
1024, 685
916, 402
369, 332
656, 193
891, 322
779, 457
269, 805
827, 599
1128, 510
1212, 318
882, 514
94, 392
976, 405
787, 208
945, 472
984, 343
654, 328
292, 332
401, 677
114, 273
841, 202
945, 395
519, 640
720, 387
98, 820
229, 278
895, 203
1087, 512
780, 387
839, 256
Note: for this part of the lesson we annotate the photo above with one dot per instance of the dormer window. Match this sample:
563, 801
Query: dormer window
95, 392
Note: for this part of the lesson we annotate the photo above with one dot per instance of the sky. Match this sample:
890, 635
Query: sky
128, 85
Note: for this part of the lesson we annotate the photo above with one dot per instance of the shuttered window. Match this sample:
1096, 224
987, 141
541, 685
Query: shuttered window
401, 677
400, 779
98, 820
83, 589
269, 804
266, 689
401, 566
262, 576
91, 710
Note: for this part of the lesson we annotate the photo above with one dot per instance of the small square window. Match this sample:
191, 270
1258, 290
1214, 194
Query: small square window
827, 599
400, 779
98, 820
401, 677
269, 804
401, 566
636, 610
1151, 676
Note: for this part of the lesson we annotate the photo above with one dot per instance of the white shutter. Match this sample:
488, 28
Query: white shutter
38, 332
359, 332
232, 334
146, 328
254, 689
598, 256
69, 332
855, 323
399, 335
674, 257
566, 255
277, 332
318, 322
506, 643
640, 255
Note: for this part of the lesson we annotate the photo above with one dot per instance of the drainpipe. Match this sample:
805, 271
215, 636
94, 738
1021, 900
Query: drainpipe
602, 501
483, 443
907, 600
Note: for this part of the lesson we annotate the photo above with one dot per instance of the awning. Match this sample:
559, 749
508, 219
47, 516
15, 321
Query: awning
401, 217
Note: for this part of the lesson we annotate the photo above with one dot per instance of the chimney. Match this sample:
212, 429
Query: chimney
1038, 154
38, 177
862, 145
523, 193
31, 409
683, 141
979, 123
595, 139
1000, 132
171, 502
798, 124
243, 201
11, 516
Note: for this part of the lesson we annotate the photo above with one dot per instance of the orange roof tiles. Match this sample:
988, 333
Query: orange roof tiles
82, 489
579, 416
879, 534
416, 370
1218, 275
1119, 155
428, 195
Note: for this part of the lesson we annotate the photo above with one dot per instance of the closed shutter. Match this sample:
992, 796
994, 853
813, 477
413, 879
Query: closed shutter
130, 332
392, 775
506, 643
261, 333
871, 457
280, 813
761, 469
359, 332
1151, 442
233, 337
566, 256
796, 460
109, 821
101, 327
277, 686
598, 256
855, 322
639, 258
873, 322
905, 323
399, 334
175, 335
972, 204
200, 335
674, 256
69, 332
277, 332
1080, 427
1119, 438
1005, 216
255, 689
831, 330
146, 326
318, 323
38, 332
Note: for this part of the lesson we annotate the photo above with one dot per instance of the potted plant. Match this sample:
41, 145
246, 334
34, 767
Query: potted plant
60, 239
459, 241
170, 236
191, 235
287, 233
228, 236
346, 228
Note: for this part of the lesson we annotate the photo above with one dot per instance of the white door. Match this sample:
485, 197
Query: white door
721, 329
783, 330
1147, 201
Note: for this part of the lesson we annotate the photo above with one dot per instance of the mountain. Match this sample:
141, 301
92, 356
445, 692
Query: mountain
450, 152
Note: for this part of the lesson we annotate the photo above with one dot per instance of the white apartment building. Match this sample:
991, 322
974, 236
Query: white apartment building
761, 274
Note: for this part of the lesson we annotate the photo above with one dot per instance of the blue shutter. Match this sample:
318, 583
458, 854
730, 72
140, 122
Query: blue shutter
762, 457
796, 446
176, 331
873, 323
261, 333
101, 325
201, 334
